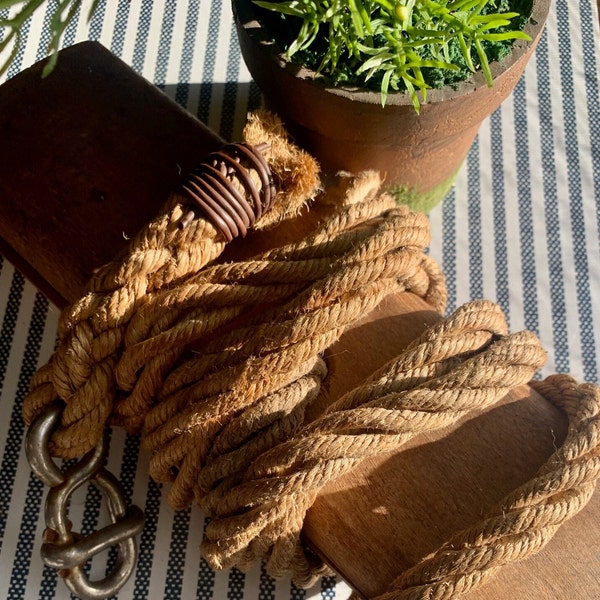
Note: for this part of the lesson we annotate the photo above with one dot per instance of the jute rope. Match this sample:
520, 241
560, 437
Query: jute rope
324, 284
465, 363
216, 364
525, 521
92, 331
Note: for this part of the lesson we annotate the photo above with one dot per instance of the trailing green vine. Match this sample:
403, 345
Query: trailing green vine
20, 11
399, 45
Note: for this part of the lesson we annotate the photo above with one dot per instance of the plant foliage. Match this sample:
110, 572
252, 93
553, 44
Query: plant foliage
19, 11
395, 44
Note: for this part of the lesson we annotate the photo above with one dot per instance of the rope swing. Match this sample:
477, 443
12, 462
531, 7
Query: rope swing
215, 364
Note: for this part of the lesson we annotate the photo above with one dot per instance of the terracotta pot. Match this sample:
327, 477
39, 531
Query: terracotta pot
348, 129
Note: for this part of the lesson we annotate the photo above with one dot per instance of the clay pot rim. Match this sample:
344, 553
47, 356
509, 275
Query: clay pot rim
245, 15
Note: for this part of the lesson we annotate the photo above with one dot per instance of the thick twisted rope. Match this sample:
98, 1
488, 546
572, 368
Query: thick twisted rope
216, 295
525, 521
245, 388
92, 331
467, 362
325, 283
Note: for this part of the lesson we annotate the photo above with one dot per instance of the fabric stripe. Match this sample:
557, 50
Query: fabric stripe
187, 55
296, 593
12, 440
75, 27
206, 578
206, 88
19, 62
266, 590
97, 21
162, 60
254, 96
146, 543
89, 524
126, 475
31, 506
235, 585
485, 212
129, 27
44, 40
589, 27
42, 581
118, 38
141, 36
28, 538
219, 104
499, 214
475, 266
200, 42
448, 260
177, 548
230, 93
153, 40
328, 588
528, 269
571, 117
553, 241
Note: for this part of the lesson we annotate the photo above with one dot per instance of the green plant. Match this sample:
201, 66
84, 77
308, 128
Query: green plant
11, 26
398, 45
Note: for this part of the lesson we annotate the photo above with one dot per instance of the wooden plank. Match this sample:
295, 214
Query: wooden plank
79, 169
88, 156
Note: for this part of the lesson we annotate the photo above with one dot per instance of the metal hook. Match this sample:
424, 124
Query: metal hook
64, 550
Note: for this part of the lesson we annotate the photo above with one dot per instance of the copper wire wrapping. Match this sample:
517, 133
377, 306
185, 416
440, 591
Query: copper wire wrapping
211, 187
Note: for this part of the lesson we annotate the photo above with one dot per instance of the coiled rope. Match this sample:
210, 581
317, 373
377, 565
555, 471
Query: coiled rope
464, 363
92, 332
325, 283
216, 364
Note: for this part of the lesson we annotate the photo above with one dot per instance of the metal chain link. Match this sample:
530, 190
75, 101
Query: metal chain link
65, 550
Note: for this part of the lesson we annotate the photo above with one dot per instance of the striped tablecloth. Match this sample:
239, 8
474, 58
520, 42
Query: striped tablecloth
521, 227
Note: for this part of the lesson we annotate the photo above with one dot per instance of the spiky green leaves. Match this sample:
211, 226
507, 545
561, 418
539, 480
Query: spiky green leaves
392, 41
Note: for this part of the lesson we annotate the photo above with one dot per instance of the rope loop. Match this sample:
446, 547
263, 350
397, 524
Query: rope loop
527, 518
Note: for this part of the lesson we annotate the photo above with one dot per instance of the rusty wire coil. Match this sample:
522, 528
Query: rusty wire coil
211, 188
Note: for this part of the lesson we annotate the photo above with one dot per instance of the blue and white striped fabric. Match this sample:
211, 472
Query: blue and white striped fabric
521, 227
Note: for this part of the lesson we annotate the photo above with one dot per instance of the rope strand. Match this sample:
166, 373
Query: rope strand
525, 521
